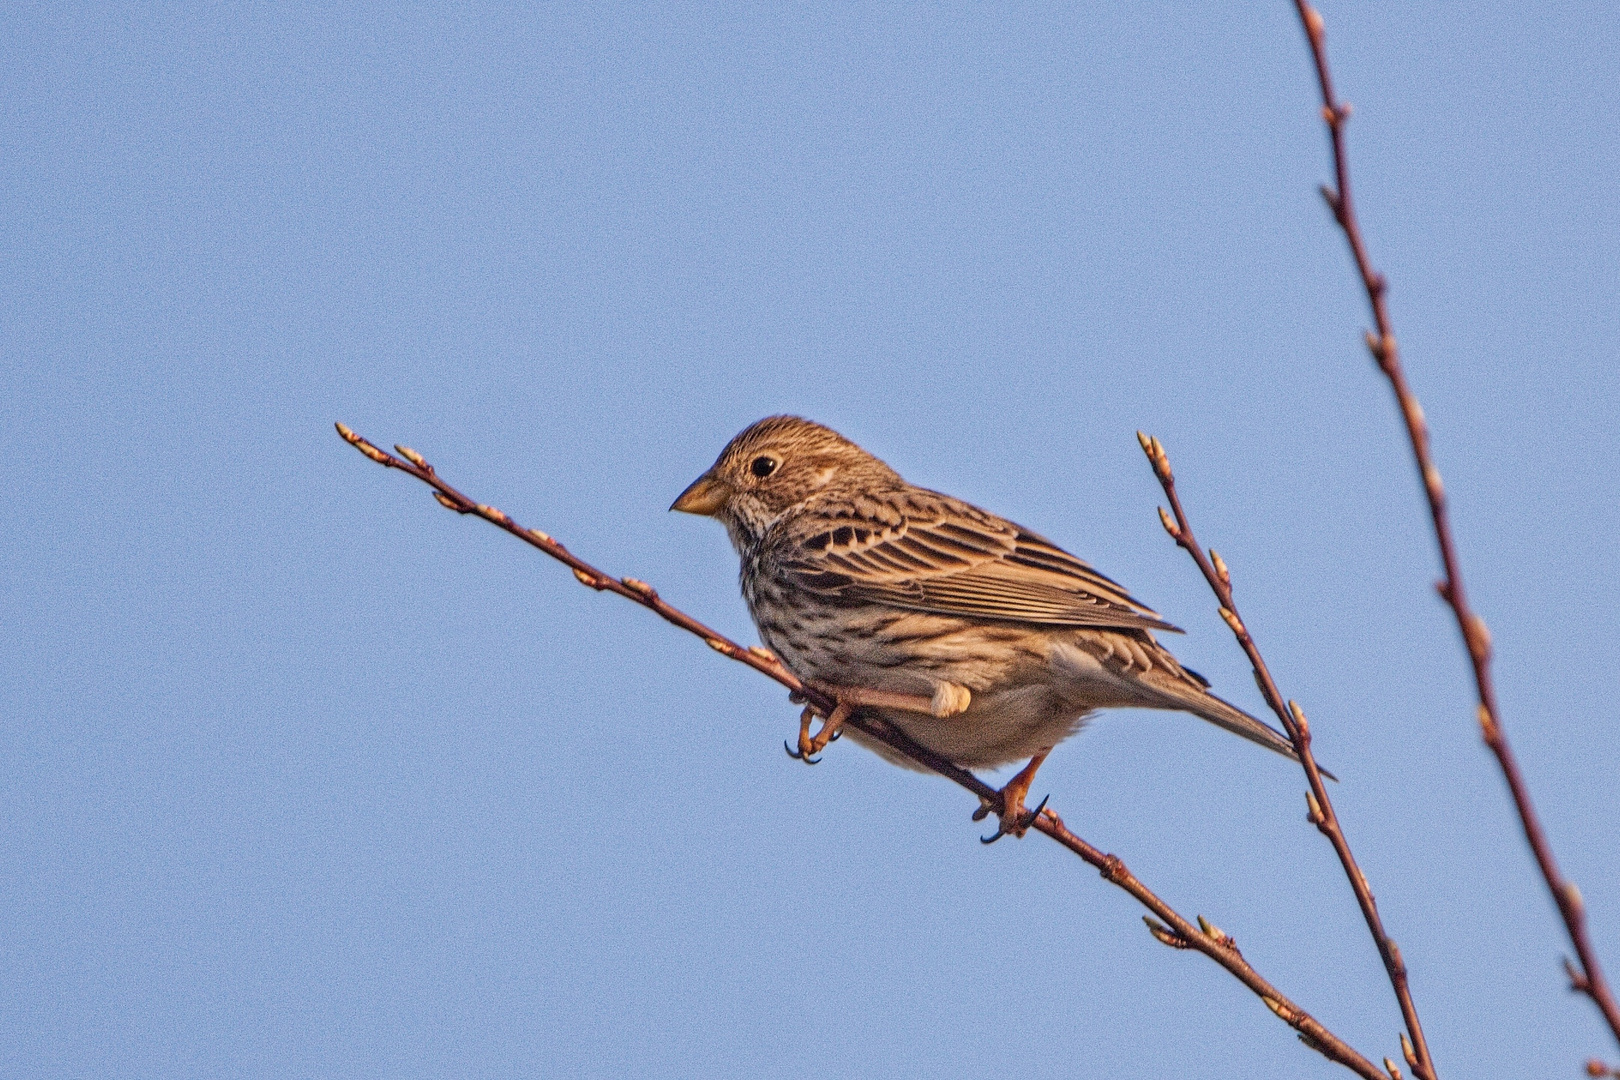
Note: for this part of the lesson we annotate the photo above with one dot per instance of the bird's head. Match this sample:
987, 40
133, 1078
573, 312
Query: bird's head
774, 465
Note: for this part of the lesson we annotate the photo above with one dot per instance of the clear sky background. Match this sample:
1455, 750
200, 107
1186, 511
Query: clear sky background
303, 776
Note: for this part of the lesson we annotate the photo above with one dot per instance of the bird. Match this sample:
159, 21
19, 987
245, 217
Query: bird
979, 639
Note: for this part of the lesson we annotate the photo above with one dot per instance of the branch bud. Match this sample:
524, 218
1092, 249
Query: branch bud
1161, 460
448, 503
1298, 714
1220, 568
1432, 483
373, 453
1156, 456
719, 646
587, 579
1283, 1012
1407, 1052
1478, 638
1487, 726
1573, 896
1594, 1067
1164, 934
362, 445
1415, 418
413, 457
1233, 621
1313, 809
493, 513
1391, 1068
1313, 22
1169, 526
1382, 348
640, 588
764, 654
544, 538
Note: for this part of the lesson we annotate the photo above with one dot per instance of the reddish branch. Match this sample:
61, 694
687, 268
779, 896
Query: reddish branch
1587, 976
1165, 923
1320, 810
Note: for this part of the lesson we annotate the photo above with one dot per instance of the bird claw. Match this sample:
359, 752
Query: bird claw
1035, 814
798, 755
830, 731
1017, 825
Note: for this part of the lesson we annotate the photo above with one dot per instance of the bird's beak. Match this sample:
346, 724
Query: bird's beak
706, 496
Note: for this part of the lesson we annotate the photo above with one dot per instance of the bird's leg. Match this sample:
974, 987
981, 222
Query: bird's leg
1014, 821
948, 700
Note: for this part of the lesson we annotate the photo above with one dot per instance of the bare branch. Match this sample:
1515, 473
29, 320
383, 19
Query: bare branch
1321, 812
1165, 924
1588, 977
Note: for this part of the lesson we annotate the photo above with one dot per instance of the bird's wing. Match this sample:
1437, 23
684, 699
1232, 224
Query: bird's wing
923, 551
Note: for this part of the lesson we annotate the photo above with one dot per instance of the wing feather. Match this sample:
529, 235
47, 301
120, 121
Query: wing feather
922, 551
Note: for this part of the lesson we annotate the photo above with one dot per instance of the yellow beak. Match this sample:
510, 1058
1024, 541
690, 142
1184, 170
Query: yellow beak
705, 496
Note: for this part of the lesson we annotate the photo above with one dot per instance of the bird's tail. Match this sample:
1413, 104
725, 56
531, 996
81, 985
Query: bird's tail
1223, 714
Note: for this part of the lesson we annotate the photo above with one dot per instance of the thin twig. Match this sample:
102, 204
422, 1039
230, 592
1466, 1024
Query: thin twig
1586, 977
1319, 807
1168, 926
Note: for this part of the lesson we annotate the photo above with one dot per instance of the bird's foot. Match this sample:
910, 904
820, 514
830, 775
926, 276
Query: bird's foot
810, 745
1013, 819
948, 700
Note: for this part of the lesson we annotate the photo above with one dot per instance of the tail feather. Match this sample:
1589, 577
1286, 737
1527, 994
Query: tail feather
1223, 714
1186, 690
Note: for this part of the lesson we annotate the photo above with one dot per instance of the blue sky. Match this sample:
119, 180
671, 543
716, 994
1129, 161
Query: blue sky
302, 776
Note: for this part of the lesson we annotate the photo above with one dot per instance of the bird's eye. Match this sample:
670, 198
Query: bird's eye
763, 466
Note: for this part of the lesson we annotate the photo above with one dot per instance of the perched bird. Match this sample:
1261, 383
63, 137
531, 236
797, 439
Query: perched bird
979, 639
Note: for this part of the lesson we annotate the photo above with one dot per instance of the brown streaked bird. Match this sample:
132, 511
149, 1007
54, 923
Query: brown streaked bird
979, 639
